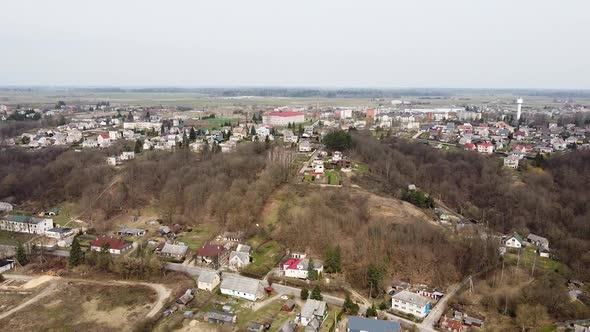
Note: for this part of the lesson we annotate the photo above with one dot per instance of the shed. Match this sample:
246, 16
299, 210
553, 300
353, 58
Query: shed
288, 306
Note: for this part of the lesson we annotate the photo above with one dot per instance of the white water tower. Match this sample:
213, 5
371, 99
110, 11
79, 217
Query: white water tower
519, 102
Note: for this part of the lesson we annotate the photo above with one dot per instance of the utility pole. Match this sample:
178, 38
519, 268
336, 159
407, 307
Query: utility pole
534, 263
502, 274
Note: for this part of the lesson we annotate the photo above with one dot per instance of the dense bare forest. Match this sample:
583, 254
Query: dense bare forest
551, 201
185, 187
317, 219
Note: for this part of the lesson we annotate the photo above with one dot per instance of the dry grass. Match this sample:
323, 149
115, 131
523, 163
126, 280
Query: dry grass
83, 307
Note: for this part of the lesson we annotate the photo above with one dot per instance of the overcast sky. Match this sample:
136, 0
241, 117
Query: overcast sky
321, 43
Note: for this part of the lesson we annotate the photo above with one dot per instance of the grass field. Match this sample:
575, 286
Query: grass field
264, 315
333, 177
264, 258
542, 264
199, 235
13, 238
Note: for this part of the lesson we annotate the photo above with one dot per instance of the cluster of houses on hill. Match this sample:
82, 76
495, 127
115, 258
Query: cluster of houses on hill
516, 241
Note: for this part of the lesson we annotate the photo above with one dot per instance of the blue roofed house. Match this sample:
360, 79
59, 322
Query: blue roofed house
362, 324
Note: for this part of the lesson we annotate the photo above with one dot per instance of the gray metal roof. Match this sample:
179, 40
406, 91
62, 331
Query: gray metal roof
60, 230
538, 238
240, 284
243, 248
207, 276
358, 324
242, 256
288, 326
410, 297
174, 249
313, 308
220, 315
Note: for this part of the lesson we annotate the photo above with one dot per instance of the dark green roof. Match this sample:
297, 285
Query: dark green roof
22, 219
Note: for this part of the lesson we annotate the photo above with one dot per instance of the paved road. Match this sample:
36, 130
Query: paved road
308, 162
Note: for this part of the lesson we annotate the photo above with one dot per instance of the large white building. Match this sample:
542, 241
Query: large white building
25, 224
411, 303
283, 118
142, 125
241, 287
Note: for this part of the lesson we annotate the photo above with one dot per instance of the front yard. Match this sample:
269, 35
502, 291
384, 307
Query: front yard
13, 238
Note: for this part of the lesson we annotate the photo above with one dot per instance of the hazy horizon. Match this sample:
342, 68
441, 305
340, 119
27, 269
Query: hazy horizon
457, 44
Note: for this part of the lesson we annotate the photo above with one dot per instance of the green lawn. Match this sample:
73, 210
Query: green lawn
199, 235
13, 238
66, 212
333, 177
265, 315
332, 312
360, 168
527, 257
264, 258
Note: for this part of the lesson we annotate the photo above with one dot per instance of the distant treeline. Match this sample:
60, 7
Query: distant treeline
321, 92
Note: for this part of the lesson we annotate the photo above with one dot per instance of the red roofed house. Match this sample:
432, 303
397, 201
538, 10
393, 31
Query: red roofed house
283, 118
299, 267
116, 246
451, 324
104, 140
470, 146
485, 147
211, 252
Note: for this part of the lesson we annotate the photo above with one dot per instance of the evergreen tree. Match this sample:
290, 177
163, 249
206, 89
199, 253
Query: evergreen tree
138, 146
76, 254
312, 274
349, 306
192, 135
375, 274
130, 116
300, 129
21, 255
333, 259
316, 293
372, 311
252, 131
184, 140
104, 259
304, 294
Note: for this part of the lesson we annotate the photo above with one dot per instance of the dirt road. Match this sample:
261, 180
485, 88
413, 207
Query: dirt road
47, 291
